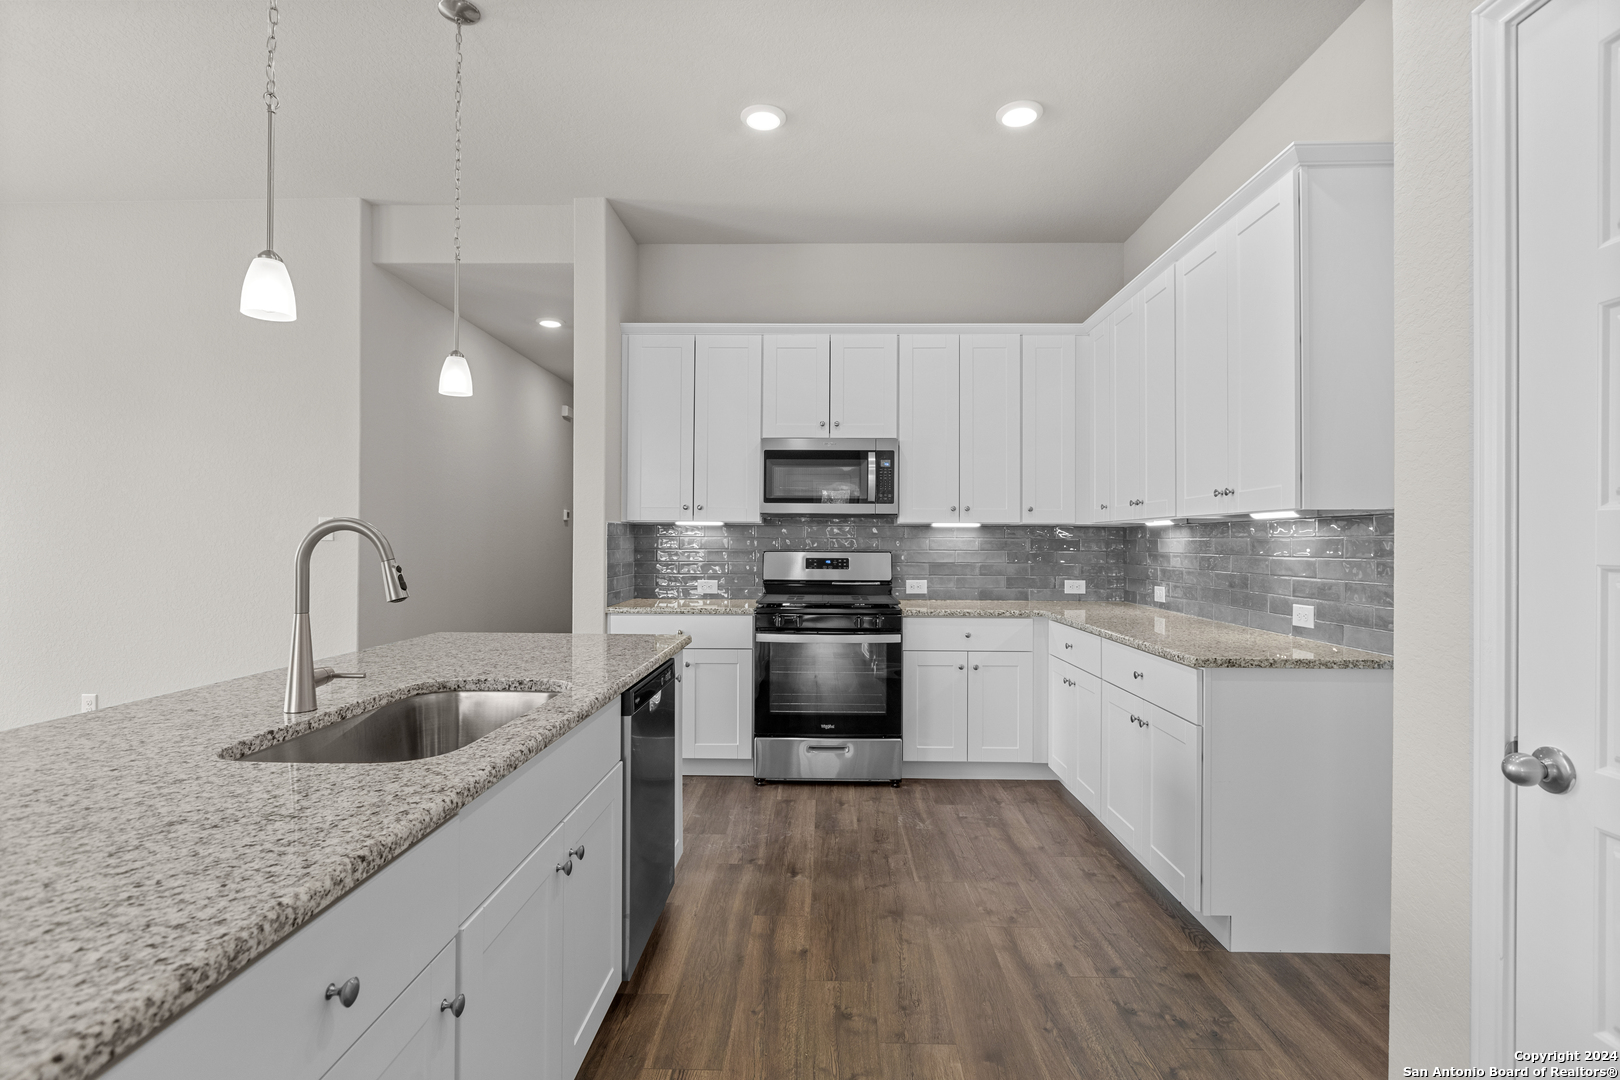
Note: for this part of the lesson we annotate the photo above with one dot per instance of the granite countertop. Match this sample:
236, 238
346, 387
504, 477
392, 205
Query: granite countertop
683, 607
1195, 642
139, 869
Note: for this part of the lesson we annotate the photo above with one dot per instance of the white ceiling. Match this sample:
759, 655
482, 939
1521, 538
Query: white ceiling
890, 103
505, 301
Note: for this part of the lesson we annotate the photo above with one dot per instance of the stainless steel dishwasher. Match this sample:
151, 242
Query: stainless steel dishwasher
648, 710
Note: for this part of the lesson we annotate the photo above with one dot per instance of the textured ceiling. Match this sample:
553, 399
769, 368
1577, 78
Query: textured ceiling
890, 133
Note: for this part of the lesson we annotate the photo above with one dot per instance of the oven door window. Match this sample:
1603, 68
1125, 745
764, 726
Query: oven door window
815, 476
829, 678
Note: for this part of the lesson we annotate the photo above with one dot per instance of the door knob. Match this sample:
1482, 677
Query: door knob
348, 993
1549, 767
455, 1005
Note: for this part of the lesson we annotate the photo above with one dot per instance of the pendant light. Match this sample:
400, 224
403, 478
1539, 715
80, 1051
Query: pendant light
267, 290
455, 377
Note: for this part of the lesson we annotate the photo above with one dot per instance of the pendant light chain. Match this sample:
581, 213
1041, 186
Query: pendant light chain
455, 341
271, 104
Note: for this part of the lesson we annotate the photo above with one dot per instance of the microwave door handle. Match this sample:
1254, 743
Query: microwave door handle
871, 476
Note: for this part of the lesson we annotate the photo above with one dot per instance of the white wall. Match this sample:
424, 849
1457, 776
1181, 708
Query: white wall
605, 257
469, 491
1429, 964
161, 454
875, 282
1342, 93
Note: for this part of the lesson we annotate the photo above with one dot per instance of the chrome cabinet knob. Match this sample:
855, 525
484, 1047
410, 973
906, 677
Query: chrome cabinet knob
688, 663
1032, 509
975, 667
455, 1005
700, 506
1068, 644
348, 993
566, 867
683, 506
823, 423
953, 509
1136, 675
836, 423
579, 853
965, 509
959, 667
1549, 767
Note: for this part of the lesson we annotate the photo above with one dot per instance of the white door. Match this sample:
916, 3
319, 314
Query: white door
717, 703
658, 388
1126, 767
929, 462
797, 381
1088, 740
1263, 377
726, 478
1174, 830
593, 910
1062, 708
509, 960
1048, 425
1568, 845
1001, 706
934, 711
991, 428
865, 386
1128, 411
1201, 384
1159, 398
414, 1038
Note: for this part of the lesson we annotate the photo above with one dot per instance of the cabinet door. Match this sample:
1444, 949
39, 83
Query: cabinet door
1129, 437
414, 1039
797, 384
1088, 743
717, 703
509, 955
1159, 398
1201, 380
1001, 707
934, 714
991, 428
865, 386
593, 915
1062, 703
726, 480
929, 461
1175, 836
658, 388
1264, 365
1100, 507
1048, 429
1126, 755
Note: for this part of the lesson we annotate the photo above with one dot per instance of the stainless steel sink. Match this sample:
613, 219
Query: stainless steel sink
422, 726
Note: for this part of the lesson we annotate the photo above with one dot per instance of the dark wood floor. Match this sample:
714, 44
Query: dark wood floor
955, 930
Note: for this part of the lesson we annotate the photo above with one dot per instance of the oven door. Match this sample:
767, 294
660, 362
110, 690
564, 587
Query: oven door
844, 685
827, 480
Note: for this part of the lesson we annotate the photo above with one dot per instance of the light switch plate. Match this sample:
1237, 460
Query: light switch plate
916, 585
1074, 585
1305, 615
708, 586
1158, 594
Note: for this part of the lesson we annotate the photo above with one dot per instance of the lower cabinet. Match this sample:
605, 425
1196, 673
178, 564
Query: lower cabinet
1074, 732
1174, 821
968, 706
934, 692
415, 1037
592, 916
1127, 768
717, 703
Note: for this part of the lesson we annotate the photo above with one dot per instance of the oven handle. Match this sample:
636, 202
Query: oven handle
842, 748
848, 639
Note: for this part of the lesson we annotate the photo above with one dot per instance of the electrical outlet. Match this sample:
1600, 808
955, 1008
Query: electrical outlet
567, 515
916, 585
1305, 615
1158, 625
1071, 585
87, 702
708, 586
1158, 594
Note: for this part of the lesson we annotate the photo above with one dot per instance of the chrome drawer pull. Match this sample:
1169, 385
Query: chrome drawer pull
455, 1005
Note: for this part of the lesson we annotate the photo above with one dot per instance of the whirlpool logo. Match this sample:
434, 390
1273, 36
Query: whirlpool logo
826, 727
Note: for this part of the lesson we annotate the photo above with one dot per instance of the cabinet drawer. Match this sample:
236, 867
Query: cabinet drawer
274, 1021
1075, 647
708, 631
1168, 685
969, 635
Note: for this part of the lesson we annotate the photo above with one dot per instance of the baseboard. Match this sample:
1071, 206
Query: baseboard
717, 766
977, 770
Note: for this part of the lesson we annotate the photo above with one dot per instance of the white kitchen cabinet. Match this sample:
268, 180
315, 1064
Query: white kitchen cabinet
992, 437
1127, 756
1098, 438
1126, 411
1174, 795
865, 386
1062, 719
1201, 374
1074, 738
929, 463
1001, 706
1140, 420
934, 692
1048, 453
1263, 325
796, 382
725, 428
717, 703
415, 1037
659, 387
592, 952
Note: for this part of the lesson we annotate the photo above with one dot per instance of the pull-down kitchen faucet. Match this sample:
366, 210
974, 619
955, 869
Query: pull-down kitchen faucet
302, 674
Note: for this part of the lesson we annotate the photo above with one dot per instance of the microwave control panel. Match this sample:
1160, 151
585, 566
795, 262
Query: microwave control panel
885, 479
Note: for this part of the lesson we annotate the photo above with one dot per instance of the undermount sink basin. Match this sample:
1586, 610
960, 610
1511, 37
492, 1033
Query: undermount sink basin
421, 726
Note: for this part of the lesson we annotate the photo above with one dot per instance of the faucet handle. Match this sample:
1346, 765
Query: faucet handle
324, 675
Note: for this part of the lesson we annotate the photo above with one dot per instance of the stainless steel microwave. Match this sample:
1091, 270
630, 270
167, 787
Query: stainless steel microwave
828, 476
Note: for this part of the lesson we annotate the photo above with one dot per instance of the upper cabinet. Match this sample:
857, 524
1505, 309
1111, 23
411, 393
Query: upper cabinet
1048, 429
992, 437
928, 468
841, 386
725, 429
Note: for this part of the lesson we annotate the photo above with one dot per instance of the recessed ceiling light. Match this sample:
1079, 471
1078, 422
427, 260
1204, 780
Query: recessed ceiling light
1017, 114
550, 324
764, 117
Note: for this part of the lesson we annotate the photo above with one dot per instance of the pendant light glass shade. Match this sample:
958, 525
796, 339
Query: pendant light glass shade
455, 377
267, 290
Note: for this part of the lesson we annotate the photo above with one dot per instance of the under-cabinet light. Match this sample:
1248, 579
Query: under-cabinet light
954, 525
1161, 523
1273, 515
700, 523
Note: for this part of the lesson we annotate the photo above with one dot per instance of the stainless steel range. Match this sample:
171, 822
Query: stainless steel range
827, 668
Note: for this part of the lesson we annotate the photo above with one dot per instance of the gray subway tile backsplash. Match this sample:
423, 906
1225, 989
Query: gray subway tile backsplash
1245, 572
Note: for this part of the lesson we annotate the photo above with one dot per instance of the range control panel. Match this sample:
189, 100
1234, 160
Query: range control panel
826, 564
885, 478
